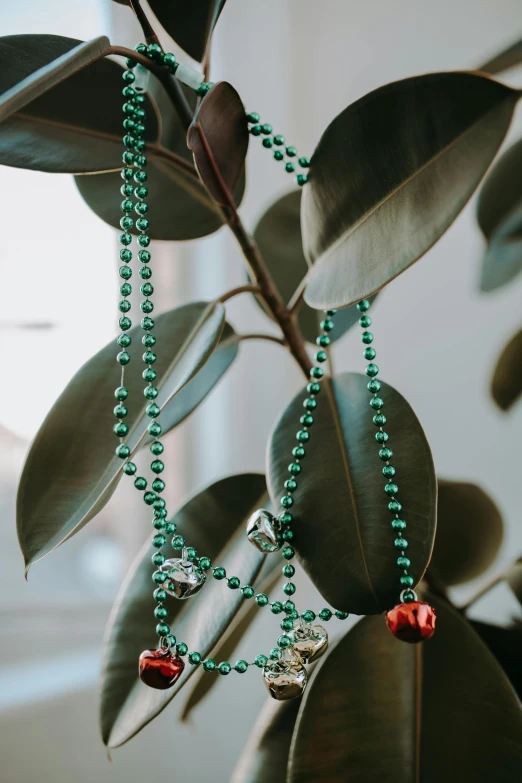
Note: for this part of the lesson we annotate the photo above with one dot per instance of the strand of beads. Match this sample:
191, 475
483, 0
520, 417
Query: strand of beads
270, 140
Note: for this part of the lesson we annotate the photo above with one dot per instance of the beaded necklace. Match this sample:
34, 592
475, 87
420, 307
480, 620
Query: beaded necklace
302, 640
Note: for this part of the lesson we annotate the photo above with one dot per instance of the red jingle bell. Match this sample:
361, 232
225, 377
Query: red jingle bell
160, 668
412, 622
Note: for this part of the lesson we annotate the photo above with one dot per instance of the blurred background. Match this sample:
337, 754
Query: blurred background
298, 63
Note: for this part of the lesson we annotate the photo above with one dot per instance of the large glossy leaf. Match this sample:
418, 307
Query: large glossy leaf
218, 138
469, 532
343, 535
506, 645
278, 235
71, 470
378, 709
504, 60
228, 644
61, 108
265, 757
391, 173
213, 522
506, 385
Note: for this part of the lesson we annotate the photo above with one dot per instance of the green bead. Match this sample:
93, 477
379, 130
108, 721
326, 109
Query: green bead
121, 393
194, 658
279, 140
224, 667
142, 224
267, 143
253, 117
261, 599
120, 429
372, 370
129, 468
125, 238
150, 392
209, 665
205, 563
149, 498
395, 507
299, 452
385, 454
233, 582
316, 372
147, 289
149, 374
170, 639
286, 624
370, 353
287, 501
379, 419
398, 524
158, 524
125, 290
154, 51
388, 470
152, 410
289, 588
170, 527
323, 340
158, 485
149, 357
154, 429
276, 607
391, 489
288, 535
308, 616
125, 254
191, 553
144, 256
284, 642
120, 411
219, 573
241, 666
303, 436
169, 60
341, 615
255, 130
363, 305
325, 614
288, 553
140, 483
161, 613
128, 77
301, 180
367, 338
406, 580
313, 388
158, 577
304, 162
122, 451
278, 155
288, 571
376, 403
141, 191
140, 176
156, 448
365, 321
275, 654
261, 661
158, 541
381, 437
247, 591
307, 420
127, 205
148, 340
203, 89
178, 542
374, 386
157, 466
162, 629
124, 305
327, 325
181, 648
290, 485
160, 594
147, 306
289, 607
127, 158
125, 323
400, 543
409, 596
127, 189
266, 129
289, 167
291, 152
286, 518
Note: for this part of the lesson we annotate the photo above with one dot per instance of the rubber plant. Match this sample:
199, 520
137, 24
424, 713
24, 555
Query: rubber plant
373, 204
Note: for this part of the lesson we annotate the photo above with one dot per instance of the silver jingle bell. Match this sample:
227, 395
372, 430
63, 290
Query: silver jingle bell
264, 531
285, 679
185, 579
309, 641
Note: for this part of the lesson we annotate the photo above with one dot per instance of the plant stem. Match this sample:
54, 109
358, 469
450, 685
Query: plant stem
483, 590
260, 336
268, 290
148, 32
241, 289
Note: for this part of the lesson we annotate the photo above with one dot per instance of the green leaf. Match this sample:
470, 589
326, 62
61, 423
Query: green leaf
391, 173
504, 60
502, 260
506, 645
61, 108
265, 757
378, 709
212, 521
189, 24
218, 138
341, 491
506, 385
72, 470
231, 639
469, 532
278, 235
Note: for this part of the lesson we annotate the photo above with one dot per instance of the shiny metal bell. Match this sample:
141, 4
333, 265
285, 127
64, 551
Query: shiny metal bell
309, 641
185, 579
264, 531
285, 679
